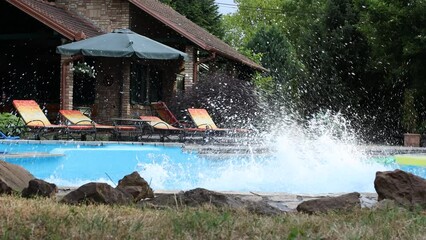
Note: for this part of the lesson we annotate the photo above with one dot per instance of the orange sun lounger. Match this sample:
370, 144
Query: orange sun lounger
77, 118
36, 121
165, 129
202, 120
166, 115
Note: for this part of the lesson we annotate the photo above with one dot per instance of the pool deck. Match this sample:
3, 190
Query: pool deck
29, 155
283, 201
232, 148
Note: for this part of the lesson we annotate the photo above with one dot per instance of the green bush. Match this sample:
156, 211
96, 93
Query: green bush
409, 113
231, 102
9, 123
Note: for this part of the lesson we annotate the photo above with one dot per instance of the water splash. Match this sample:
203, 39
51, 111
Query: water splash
321, 156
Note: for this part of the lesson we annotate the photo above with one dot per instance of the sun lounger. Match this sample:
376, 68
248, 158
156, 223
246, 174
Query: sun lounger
166, 115
77, 118
36, 122
202, 120
165, 130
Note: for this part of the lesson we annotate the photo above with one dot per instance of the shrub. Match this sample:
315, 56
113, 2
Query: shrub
409, 112
230, 101
8, 123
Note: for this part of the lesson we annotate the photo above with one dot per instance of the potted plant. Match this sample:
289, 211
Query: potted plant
410, 120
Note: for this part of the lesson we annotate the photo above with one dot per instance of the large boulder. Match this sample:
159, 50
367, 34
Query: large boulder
199, 196
404, 188
136, 186
344, 202
94, 193
13, 177
41, 188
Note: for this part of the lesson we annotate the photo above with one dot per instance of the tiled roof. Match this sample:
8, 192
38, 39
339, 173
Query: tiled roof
192, 31
75, 27
59, 19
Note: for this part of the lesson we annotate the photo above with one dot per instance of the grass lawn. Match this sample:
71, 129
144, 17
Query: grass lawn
46, 219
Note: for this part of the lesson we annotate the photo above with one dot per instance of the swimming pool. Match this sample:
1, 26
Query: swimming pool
176, 168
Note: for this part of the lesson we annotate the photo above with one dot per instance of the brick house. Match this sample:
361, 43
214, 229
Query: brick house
31, 69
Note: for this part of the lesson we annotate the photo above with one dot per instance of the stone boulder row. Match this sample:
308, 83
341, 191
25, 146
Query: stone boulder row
199, 196
404, 188
97, 193
136, 186
13, 178
343, 202
41, 188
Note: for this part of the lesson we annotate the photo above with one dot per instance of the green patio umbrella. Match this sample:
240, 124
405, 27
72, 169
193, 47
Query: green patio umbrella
121, 43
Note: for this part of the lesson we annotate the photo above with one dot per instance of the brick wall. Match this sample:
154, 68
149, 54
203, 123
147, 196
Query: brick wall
125, 91
189, 67
107, 14
108, 89
67, 84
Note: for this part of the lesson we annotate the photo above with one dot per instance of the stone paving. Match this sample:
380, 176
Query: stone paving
283, 201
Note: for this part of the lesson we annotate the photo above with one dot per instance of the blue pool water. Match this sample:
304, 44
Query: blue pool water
172, 168
74, 164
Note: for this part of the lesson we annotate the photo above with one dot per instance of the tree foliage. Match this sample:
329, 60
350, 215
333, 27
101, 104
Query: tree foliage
356, 57
202, 12
277, 55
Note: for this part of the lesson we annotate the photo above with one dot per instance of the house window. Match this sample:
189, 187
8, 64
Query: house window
146, 84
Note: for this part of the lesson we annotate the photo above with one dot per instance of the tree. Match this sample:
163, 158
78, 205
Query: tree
336, 56
202, 12
352, 56
277, 55
396, 32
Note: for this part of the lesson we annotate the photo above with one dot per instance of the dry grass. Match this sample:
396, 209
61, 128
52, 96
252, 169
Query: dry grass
47, 219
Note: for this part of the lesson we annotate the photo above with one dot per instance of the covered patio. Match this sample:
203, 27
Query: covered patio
141, 69
31, 68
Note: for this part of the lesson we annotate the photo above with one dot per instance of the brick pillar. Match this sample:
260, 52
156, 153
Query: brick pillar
125, 91
189, 67
108, 88
67, 83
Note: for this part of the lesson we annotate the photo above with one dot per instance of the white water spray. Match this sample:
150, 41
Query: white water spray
322, 156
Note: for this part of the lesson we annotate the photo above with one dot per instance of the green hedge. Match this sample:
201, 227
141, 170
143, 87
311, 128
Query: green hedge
9, 122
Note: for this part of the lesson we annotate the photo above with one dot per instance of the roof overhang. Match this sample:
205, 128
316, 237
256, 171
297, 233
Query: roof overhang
203, 45
170, 24
46, 18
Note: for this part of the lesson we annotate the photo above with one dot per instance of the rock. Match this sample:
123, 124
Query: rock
192, 198
136, 186
38, 187
14, 177
405, 188
200, 196
386, 204
367, 201
343, 202
4, 188
92, 193
264, 208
